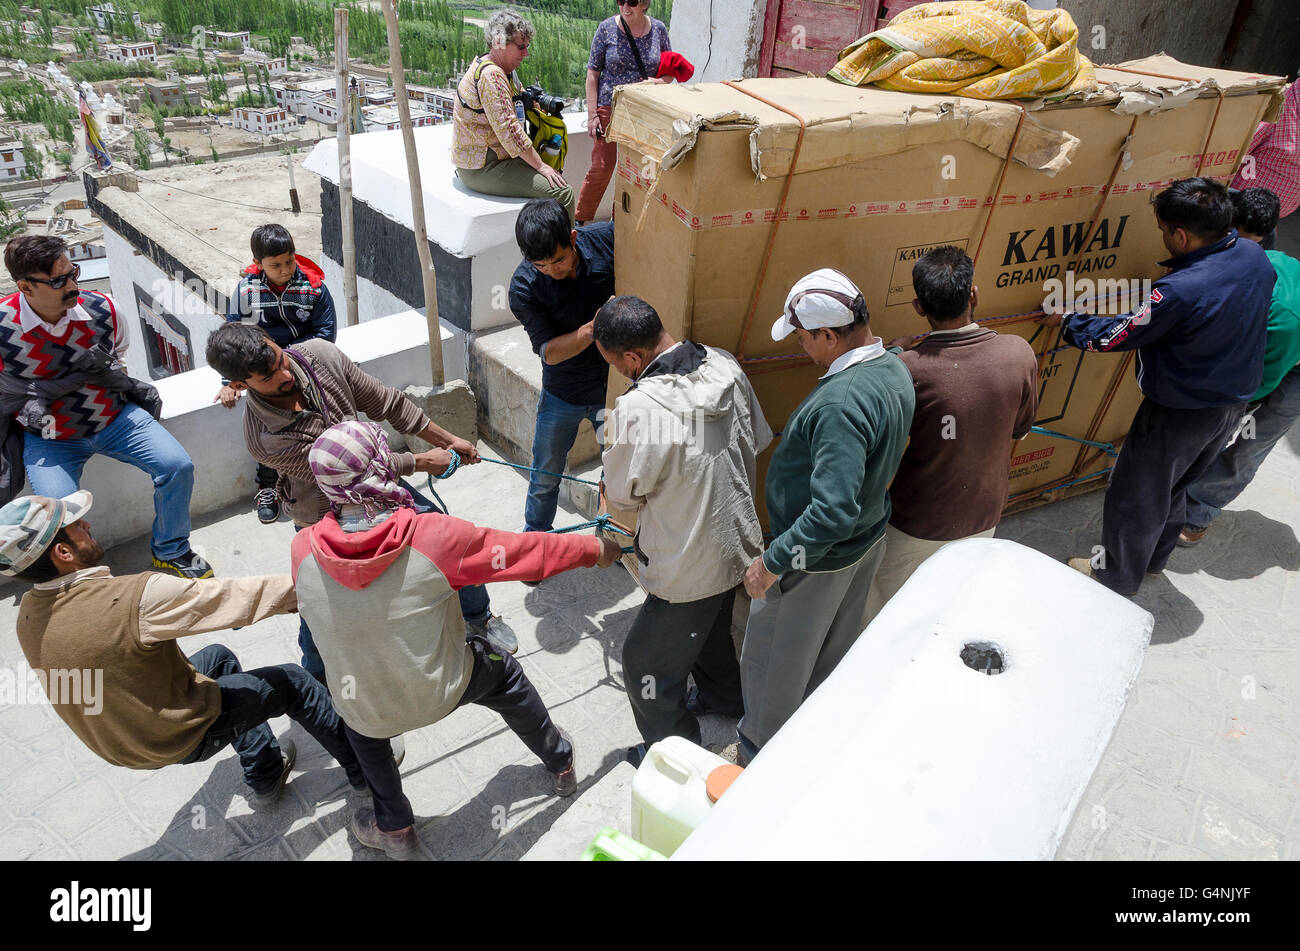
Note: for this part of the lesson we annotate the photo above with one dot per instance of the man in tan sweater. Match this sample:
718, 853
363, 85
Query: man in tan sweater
105, 651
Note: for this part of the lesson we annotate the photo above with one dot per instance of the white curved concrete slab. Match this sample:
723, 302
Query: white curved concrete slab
907, 753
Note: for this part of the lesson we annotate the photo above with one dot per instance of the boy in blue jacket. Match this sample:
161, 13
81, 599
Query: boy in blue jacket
285, 294
1200, 357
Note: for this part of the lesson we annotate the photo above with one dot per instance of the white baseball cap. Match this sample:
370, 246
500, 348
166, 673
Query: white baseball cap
822, 299
28, 526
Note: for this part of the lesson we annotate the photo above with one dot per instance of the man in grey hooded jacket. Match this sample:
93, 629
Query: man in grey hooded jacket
681, 450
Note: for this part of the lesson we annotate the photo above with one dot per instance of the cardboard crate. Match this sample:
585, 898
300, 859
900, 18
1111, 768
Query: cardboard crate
713, 229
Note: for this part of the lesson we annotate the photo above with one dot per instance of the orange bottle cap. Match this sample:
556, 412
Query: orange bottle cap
720, 780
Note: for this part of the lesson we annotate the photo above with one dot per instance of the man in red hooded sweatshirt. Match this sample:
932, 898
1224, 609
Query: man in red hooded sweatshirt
284, 293
375, 580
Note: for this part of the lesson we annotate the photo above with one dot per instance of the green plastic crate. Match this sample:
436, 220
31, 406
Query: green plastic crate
610, 845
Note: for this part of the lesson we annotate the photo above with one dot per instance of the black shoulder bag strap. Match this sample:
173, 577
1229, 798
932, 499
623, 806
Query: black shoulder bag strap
636, 51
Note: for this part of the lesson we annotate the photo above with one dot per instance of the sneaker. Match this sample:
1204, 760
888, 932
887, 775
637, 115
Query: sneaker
497, 633
1189, 536
401, 845
268, 506
1083, 565
189, 565
288, 754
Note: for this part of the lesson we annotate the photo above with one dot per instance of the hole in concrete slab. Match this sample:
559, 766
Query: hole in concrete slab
983, 657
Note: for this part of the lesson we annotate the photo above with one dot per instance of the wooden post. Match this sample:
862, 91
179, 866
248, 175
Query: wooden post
344, 132
417, 194
293, 186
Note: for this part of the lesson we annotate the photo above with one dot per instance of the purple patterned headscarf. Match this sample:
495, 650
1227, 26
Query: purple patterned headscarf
354, 466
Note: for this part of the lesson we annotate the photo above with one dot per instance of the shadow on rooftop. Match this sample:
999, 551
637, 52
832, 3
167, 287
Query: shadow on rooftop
1176, 615
1240, 545
474, 831
203, 828
566, 606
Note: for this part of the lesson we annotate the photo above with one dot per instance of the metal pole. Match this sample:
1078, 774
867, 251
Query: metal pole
343, 129
417, 194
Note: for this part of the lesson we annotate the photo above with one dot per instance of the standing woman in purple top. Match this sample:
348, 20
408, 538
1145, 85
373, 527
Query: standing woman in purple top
616, 59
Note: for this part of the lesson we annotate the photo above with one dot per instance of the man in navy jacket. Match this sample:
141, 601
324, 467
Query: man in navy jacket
1200, 343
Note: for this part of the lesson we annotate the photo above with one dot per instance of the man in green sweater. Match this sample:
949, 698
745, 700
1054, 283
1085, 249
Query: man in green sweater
1276, 403
828, 504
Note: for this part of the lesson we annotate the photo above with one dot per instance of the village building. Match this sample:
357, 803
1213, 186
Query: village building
264, 120
132, 52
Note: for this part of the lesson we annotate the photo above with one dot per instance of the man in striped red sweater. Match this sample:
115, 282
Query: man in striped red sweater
48, 330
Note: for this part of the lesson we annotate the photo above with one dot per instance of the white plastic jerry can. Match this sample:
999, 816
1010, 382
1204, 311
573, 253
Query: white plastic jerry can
669, 798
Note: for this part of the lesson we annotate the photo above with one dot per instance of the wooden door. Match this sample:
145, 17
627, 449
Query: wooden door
806, 36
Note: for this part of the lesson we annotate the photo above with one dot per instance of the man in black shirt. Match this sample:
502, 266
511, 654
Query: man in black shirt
563, 279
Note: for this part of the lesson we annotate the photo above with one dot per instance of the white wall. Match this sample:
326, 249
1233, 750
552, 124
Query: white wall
395, 349
127, 268
463, 223
722, 40
374, 302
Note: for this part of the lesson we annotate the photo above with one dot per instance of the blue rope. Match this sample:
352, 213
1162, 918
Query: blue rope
558, 475
601, 523
1108, 448
1088, 478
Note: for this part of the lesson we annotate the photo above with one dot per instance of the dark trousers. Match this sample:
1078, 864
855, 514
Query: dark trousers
266, 476
665, 643
496, 682
250, 698
1166, 451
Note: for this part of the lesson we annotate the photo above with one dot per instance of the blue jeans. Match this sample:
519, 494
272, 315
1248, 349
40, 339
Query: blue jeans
557, 428
1233, 469
54, 469
249, 699
475, 604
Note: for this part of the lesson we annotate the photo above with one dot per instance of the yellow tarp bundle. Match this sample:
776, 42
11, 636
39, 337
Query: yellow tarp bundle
984, 49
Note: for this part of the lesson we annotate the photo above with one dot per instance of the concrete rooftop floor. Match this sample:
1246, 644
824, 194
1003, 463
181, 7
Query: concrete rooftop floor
203, 214
1204, 763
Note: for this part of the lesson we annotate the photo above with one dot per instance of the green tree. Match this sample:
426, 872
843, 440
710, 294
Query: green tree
12, 220
142, 149
31, 159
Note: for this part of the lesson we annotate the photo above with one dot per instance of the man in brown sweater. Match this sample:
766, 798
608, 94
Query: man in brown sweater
104, 650
976, 392
298, 392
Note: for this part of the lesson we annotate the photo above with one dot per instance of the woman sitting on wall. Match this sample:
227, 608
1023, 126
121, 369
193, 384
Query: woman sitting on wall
489, 145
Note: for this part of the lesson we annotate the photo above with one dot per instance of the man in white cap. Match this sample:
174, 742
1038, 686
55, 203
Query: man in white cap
827, 503
104, 650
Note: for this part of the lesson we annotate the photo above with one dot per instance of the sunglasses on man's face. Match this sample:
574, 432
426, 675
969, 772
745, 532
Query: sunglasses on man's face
630, 3
58, 282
